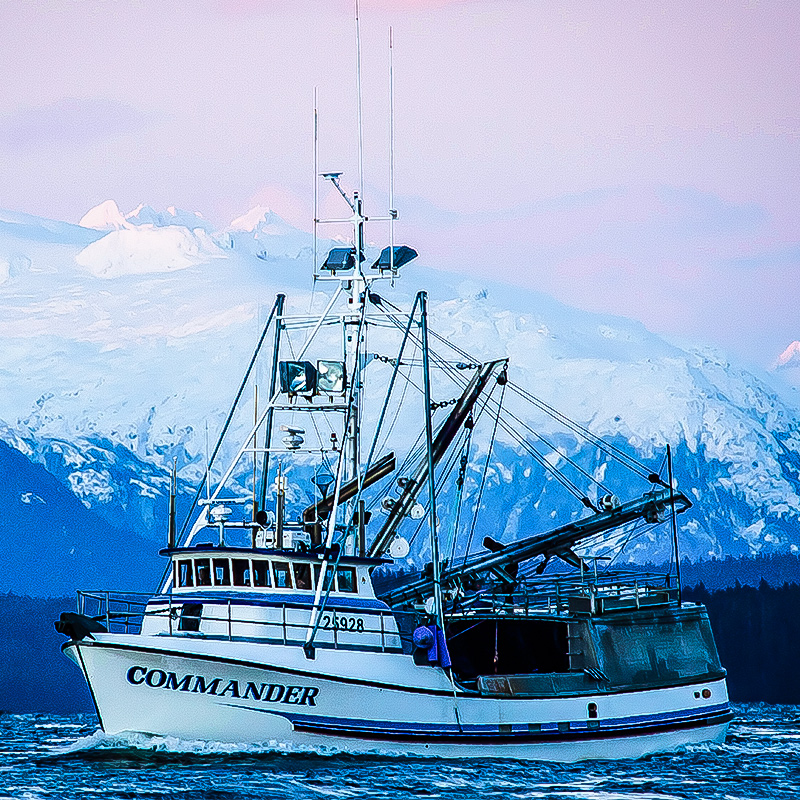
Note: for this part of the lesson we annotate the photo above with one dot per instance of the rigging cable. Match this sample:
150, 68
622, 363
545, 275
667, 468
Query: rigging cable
485, 468
532, 451
612, 450
228, 420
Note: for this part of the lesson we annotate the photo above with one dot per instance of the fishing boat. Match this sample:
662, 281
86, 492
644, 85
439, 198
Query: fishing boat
334, 587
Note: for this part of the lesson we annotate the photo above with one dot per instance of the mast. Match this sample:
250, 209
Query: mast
426, 375
273, 383
674, 524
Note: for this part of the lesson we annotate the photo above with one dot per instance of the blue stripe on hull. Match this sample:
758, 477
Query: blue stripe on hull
518, 734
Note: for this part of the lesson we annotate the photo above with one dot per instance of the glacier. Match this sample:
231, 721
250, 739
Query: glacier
125, 338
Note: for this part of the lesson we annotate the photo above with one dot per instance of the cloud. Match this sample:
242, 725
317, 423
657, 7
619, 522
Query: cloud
69, 121
702, 213
783, 257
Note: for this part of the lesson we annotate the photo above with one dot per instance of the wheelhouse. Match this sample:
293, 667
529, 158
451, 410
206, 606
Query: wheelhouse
205, 568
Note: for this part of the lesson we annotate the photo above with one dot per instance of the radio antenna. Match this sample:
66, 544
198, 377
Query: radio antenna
360, 113
392, 212
316, 181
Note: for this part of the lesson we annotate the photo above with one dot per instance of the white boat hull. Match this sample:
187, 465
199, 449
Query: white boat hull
367, 702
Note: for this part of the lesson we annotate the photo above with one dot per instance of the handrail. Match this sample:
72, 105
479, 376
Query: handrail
292, 632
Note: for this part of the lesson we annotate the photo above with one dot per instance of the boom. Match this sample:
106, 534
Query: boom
558, 542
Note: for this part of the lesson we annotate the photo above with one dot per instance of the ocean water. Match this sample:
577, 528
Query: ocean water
45, 756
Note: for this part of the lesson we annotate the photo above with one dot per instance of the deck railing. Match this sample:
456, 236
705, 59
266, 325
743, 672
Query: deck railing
561, 596
126, 613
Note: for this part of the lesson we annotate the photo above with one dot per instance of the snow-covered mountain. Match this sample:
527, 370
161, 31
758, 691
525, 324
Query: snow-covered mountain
124, 339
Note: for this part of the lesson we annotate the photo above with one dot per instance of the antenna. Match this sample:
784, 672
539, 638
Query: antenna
360, 114
208, 468
173, 488
316, 180
392, 212
350, 260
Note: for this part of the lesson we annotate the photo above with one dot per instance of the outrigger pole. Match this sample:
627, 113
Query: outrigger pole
273, 385
273, 314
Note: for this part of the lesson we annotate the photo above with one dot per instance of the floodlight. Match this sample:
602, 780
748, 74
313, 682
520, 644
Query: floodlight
402, 255
298, 377
331, 377
340, 258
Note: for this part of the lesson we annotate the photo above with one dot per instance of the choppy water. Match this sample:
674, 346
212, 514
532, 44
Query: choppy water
43, 756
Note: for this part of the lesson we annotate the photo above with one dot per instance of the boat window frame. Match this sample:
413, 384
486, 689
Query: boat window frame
188, 564
247, 574
302, 567
199, 564
267, 572
330, 575
287, 565
190, 618
349, 571
225, 564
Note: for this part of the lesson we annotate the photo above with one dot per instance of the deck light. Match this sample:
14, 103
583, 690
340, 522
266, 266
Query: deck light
340, 259
298, 377
331, 377
402, 255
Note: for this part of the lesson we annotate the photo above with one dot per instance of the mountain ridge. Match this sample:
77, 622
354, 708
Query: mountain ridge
112, 374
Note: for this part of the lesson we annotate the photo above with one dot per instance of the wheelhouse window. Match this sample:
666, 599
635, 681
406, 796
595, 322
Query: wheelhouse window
241, 571
329, 576
346, 577
302, 576
202, 572
222, 572
185, 577
283, 577
261, 575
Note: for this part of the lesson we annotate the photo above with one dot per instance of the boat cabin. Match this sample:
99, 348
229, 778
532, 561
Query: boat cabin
267, 596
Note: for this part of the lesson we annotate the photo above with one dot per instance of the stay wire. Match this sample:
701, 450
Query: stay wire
459, 378
532, 451
477, 507
228, 420
612, 450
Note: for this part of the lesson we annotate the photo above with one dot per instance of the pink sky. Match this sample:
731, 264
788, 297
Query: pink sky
634, 157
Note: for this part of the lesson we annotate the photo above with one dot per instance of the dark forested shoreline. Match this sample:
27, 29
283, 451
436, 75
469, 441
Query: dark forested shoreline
755, 623
757, 630
34, 675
